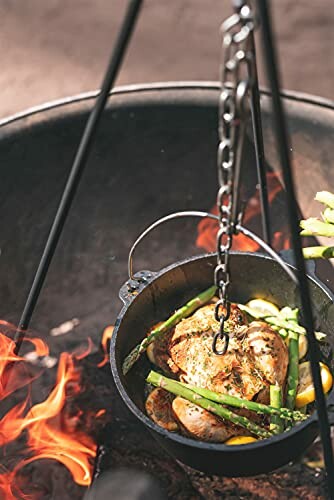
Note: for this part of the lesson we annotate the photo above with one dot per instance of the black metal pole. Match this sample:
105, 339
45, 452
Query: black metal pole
259, 148
79, 163
284, 155
257, 132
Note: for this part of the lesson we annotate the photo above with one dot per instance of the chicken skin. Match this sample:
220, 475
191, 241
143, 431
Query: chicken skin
256, 357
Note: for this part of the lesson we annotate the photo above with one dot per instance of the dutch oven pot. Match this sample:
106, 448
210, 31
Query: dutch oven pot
253, 275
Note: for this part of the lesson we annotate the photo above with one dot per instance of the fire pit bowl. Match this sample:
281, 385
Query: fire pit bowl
155, 152
253, 275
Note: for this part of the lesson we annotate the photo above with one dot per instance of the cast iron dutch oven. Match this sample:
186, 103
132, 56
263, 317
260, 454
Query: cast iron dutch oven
253, 275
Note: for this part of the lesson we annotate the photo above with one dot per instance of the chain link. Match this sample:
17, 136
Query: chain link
236, 80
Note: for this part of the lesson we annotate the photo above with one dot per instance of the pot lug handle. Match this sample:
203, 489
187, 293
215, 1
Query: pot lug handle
132, 287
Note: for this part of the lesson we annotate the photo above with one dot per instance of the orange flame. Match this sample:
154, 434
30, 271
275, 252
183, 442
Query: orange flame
10, 362
81, 354
44, 422
106, 336
207, 228
6, 480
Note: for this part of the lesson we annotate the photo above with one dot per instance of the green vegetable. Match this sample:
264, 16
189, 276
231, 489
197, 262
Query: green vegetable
315, 227
318, 252
293, 370
179, 389
326, 198
173, 320
328, 215
276, 423
227, 399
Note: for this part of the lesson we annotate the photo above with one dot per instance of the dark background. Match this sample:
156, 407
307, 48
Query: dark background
54, 48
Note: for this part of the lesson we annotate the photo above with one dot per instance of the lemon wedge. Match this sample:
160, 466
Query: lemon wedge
262, 308
240, 440
305, 390
302, 346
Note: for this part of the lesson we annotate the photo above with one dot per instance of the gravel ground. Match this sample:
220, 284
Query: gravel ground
54, 48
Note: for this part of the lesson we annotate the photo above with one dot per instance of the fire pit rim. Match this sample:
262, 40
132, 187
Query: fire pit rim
289, 95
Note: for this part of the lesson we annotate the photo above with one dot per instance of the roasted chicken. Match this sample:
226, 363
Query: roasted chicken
257, 357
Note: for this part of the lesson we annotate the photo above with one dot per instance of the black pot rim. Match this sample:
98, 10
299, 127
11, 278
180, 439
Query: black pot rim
201, 445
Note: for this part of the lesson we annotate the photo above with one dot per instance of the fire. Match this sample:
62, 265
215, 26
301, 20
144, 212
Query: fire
9, 361
6, 480
106, 336
49, 430
207, 228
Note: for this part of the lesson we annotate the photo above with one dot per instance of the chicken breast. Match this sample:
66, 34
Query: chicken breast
256, 357
159, 408
201, 424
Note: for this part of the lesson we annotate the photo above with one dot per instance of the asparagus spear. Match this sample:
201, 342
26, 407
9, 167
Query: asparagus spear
180, 314
315, 227
318, 252
276, 423
289, 314
293, 369
328, 215
280, 324
180, 390
287, 325
326, 198
227, 399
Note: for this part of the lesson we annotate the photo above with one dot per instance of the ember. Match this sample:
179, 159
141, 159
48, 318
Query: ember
51, 429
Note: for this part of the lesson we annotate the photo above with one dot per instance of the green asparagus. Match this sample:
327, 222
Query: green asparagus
276, 423
293, 369
326, 198
180, 314
227, 399
315, 227
318, 252
180, 390
328, 215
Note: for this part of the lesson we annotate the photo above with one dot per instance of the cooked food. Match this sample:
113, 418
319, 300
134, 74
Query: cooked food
201, 424
256, 358
305, 390
250, 392
159, 408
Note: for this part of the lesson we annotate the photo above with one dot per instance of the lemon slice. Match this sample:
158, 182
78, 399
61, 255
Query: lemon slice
305, 390
302, 346
262, 308
240, 440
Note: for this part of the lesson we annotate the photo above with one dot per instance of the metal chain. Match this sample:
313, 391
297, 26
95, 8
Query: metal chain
236, 80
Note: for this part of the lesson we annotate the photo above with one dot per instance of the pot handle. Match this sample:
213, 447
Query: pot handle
132, 287
136, 279
176, 215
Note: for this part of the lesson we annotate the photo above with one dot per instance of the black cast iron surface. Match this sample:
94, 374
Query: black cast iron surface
155, 153
253, 276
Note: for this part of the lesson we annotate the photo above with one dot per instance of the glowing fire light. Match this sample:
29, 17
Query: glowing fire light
47, 427
106, 336
207, 228
9, 384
